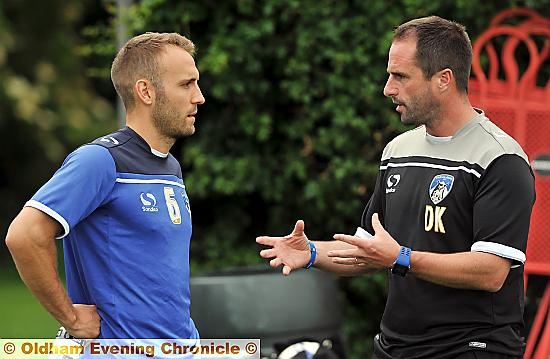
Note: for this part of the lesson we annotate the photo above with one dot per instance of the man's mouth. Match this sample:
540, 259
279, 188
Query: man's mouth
398, 106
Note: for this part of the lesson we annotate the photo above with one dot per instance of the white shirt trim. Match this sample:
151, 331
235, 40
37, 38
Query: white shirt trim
431, 165
437, 139
50, 212
500, 250
136, 181
158, 153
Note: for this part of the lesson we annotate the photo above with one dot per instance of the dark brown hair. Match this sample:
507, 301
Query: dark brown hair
440, 44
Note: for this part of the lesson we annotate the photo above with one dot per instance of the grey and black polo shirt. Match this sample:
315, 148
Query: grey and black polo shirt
473, 191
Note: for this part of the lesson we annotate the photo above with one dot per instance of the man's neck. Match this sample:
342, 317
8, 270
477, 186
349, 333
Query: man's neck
142, 124
453, 116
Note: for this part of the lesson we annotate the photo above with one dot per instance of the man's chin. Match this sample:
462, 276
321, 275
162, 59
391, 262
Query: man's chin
186, 132
189, 131
407, 120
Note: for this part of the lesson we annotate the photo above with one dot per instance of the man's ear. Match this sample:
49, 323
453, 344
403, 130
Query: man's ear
145, 91
444, 79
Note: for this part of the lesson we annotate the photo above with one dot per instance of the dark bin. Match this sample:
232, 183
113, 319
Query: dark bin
259, 302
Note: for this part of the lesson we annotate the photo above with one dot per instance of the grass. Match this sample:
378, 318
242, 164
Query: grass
21, 315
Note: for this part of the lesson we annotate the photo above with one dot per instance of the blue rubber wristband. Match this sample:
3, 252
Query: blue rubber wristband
404, 257
402, 263
313, 251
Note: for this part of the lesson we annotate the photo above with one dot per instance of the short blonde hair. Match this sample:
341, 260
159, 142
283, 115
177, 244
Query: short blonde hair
138, 58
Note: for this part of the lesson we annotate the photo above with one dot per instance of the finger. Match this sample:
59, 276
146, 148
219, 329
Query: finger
376, 225
267, 253
344, 253
299, 228
275, 262
286, 270
267, 240
345, 261
348, 239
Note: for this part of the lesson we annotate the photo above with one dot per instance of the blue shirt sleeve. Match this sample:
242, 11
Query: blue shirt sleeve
83, 183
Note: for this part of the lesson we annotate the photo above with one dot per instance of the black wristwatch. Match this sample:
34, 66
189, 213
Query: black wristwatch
402, 262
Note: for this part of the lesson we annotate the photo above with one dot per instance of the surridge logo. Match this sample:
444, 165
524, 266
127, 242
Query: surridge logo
149, 202
392, 182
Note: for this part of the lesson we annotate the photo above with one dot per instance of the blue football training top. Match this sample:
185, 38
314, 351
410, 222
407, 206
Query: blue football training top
127, 228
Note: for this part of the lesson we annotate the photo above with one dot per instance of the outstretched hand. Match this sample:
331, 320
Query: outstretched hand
290, 251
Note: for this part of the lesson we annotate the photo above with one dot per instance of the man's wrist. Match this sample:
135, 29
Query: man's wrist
312, 256
402, 263
69, 319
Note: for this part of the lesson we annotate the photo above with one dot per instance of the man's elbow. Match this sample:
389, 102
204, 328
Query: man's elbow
31, 229
495, 281
14, 240
495, 273
22, 236
494, 287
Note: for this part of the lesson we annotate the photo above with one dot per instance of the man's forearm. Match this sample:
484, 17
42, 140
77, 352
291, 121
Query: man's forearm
48, 289
35, 256
467, 270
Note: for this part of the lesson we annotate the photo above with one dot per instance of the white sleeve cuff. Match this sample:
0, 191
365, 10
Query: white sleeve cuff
500, 250
50, 212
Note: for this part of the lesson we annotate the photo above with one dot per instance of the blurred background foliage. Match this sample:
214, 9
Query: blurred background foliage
293, 125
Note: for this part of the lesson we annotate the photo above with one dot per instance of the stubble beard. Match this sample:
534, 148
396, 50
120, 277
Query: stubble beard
168, 120
422, 110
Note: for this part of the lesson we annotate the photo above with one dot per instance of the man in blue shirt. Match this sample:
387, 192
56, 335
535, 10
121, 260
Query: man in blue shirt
121, 208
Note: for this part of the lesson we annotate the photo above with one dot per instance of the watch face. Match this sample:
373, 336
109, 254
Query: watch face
399, 269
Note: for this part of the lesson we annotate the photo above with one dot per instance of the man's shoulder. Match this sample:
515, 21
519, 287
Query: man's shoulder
89, 161
500, 139
487, 142
122, 146
404, 142
417, 133
114, 139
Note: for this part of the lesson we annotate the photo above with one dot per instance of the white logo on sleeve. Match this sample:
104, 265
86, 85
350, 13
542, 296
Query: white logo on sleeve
149, 202
110, 139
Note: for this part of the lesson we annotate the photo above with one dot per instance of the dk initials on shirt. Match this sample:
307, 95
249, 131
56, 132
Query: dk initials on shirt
433, 219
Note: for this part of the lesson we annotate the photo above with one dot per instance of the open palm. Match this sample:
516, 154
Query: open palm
290, 251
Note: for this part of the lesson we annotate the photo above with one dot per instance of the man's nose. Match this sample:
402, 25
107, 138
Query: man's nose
198, 97
389, 89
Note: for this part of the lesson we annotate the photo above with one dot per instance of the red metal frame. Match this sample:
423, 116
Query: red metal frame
512, 99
